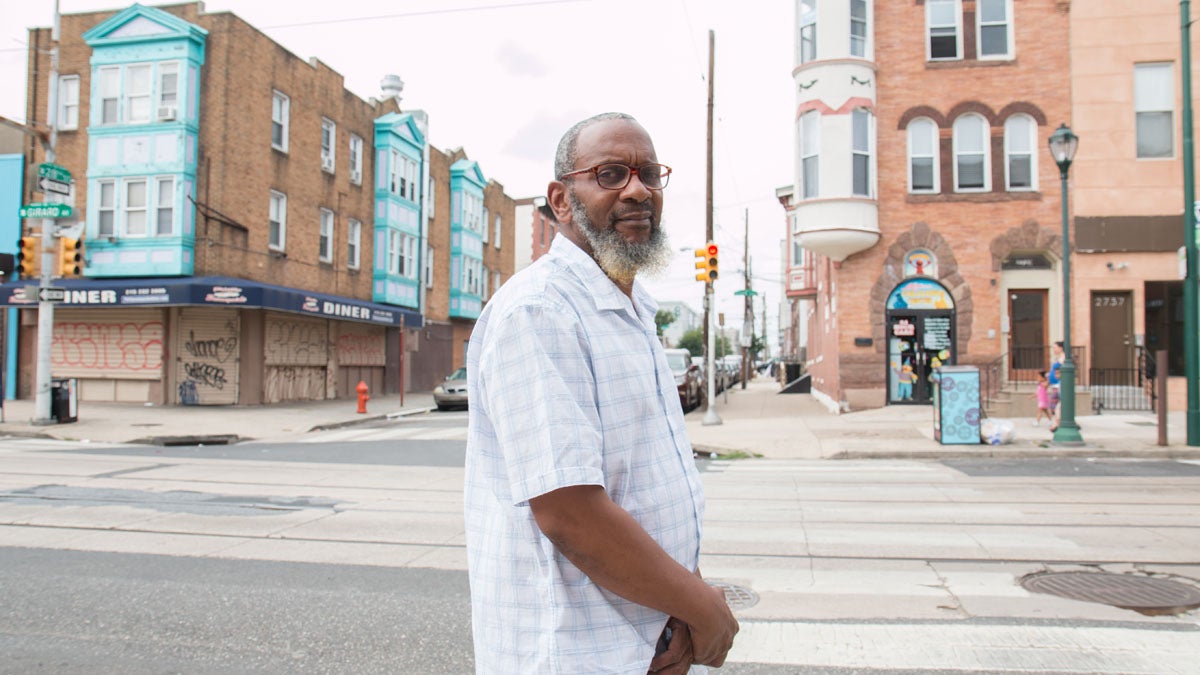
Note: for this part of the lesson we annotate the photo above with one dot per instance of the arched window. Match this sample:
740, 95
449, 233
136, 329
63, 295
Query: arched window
1020, 161
922, 155
971, 161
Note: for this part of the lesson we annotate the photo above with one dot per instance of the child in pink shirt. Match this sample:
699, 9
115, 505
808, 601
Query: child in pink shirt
1043, 399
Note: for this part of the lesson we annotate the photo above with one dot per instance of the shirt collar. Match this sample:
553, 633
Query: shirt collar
605, 292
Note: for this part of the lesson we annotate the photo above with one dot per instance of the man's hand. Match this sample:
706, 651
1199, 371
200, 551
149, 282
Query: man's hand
678, 657
713, 637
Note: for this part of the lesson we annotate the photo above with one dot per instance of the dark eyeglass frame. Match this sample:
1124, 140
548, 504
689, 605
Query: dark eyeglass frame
595, 170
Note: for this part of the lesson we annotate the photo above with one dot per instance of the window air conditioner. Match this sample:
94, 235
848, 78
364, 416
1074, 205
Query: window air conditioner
166, 113
327, 163
355, 176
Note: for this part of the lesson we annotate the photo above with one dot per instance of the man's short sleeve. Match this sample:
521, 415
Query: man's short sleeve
540, 397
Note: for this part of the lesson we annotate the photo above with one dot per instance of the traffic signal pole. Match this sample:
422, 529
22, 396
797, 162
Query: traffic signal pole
45, 333
710, 336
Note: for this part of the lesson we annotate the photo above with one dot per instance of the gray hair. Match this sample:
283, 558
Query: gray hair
564, 158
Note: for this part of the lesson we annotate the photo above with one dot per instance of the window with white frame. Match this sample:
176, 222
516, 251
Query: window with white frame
429, 197
394, 172
1020, 160
428, 265
810, 150
354, 244
168, 91
485, 279
496, 281
797, 252
485, 220
133, 209
410, 256
110, 95
412, 169
995, 33
106, 211
971, 137
923, 156
164, 202
472, 208
393, 252
68, 102
860, 122
858, 28
280, 104
1154, 106
325, 238
356, 148
328, 139
277, 221
472, 276
137, 93
944, 21
496, 234
806, 49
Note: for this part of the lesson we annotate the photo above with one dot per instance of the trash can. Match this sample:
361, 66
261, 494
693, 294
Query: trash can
64, 400
956, 405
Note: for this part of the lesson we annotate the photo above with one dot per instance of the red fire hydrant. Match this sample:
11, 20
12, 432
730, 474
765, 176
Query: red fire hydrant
362, 396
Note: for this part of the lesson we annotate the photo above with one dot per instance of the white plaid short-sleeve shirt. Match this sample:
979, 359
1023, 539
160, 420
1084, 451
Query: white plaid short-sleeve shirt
569, 386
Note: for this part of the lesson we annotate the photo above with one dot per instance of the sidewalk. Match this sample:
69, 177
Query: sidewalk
191, 425
756, 420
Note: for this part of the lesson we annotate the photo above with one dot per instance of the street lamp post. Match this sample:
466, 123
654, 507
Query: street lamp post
1063, 144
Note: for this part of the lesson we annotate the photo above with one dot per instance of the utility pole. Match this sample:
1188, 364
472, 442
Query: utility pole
1191, 326
710, 411
747, 314
45, 334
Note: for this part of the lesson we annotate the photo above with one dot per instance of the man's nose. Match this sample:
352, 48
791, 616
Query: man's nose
636, 190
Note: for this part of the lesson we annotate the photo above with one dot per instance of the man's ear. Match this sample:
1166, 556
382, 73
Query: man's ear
559, 201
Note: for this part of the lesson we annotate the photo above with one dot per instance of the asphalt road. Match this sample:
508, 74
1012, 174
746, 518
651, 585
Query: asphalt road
342, 552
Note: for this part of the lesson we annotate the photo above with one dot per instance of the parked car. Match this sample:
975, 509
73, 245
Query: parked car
452, 393
687, 377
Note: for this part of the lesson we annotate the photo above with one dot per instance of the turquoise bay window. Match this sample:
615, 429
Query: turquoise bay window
399, 148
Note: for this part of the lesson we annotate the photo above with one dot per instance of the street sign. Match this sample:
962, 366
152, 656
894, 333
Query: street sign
46, 211
52, 294
54, 172
46, 184
747, 291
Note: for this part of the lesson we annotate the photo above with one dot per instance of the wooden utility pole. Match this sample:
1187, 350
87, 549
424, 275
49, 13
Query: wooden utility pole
747, 314
710, 411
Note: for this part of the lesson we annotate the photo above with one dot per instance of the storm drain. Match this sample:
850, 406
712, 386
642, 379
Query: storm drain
1145, 595
738, 597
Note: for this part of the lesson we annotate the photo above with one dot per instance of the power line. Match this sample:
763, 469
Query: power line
428, 12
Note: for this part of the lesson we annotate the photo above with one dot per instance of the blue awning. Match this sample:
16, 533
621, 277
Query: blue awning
213, 292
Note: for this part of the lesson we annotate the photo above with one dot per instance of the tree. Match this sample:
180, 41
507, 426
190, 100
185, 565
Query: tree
662, 319
693, 341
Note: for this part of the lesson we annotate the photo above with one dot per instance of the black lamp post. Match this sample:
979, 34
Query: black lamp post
1062, 147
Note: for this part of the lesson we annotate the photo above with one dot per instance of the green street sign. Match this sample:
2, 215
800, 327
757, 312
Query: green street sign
47, 211
54, 172
748, 291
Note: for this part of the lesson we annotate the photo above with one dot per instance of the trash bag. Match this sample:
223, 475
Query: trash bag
996, 431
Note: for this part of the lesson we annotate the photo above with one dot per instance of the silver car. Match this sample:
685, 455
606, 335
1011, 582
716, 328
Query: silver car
452, 393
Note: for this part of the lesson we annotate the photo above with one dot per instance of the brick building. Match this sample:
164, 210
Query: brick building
255, 232
924, 215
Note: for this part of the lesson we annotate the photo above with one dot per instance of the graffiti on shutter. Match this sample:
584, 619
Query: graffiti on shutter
207, 356
296, 353
120, 344
361, 345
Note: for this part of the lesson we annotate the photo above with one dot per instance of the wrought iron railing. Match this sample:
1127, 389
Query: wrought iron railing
1126, 388
1020, 367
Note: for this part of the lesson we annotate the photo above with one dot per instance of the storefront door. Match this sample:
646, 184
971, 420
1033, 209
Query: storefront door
920, 337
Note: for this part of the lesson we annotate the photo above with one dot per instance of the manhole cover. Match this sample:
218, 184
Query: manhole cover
738, 597
1144, 595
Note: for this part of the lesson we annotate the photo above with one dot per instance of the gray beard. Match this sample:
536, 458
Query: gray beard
619, 258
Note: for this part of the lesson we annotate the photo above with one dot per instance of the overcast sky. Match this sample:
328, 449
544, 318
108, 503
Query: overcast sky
504, 79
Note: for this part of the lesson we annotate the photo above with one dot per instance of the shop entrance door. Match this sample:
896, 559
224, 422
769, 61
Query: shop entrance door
1027, 348
1112, 329
918, 342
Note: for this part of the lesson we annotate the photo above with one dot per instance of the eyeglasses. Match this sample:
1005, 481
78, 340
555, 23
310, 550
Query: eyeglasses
617, 176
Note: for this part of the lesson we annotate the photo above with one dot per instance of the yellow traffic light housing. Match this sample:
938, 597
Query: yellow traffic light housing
29, 257
707, 263
70, 257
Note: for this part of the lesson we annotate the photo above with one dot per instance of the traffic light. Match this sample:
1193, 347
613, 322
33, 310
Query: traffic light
706, 262
70, 257
29, 257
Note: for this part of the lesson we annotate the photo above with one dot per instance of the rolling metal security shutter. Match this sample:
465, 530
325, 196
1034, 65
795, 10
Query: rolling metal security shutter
207, 356
296, 353
117, 344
